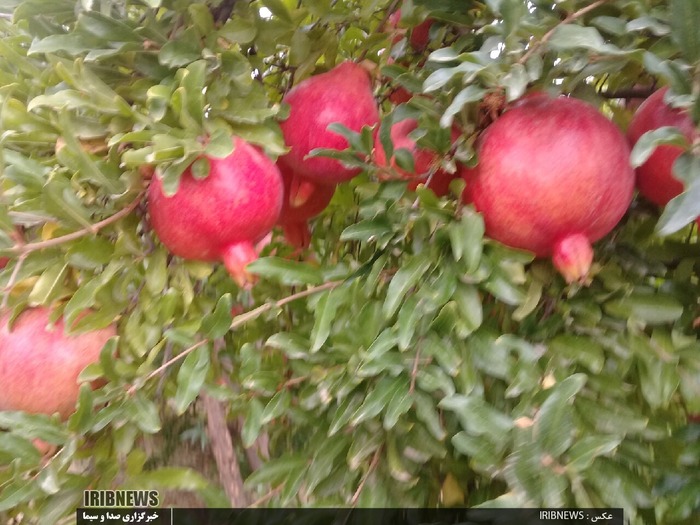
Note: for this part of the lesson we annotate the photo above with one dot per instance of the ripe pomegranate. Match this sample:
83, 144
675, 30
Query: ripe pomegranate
420, 34
423, 159
222, 216
342, 95
553, 176
302, 201
3, 262
40, 364
655, 179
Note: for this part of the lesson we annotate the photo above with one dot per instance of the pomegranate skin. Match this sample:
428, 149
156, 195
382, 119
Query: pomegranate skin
342, 95
222, 216
655, 179
551, 169
40, 364
303, 200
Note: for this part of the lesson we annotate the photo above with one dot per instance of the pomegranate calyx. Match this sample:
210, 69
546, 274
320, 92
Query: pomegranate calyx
300, 192
573, 257
236, 257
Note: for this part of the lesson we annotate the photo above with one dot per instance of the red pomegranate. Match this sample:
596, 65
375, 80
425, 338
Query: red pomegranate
222, 216
655, 179
3, 262
303, 200
40, 364
420, 34
342, 95
553, 177
423, 159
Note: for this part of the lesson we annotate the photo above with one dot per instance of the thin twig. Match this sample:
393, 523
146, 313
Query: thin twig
237, 322
50, 243
414, 373
13, 279
372, 467
267, 496
132, 389
573, 16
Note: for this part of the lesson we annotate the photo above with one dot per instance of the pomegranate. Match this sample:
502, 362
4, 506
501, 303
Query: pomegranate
420, 34
342, 95
655, 179
222, 216
3, 262
553, 177
40, 364
423, 159
302, 201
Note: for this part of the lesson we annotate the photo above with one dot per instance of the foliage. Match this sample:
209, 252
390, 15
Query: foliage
435, 367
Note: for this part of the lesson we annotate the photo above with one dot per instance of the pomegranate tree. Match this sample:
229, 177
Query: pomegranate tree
553, 177
40, 363
222, 216
655, 179
342, 95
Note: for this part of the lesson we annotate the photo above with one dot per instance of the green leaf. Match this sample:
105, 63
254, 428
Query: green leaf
286, 271
277, 406
218, 323
466, 239
471, 93
182, 50
477, 417
157, 271
584, 451
407, 277
571, 36
367, 230
17, 492
400, 403
684, 208
49, 285
378, 399
343, 414
657, 308
325, 311
190, 378
277, 470
469, 306
144, 413
554, 423
253, 422
648, 142
684, 17
468, 69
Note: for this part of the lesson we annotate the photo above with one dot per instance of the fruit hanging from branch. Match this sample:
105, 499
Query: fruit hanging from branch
303, 200
342, 95
40, 363
222, 216
655, 179
553, 177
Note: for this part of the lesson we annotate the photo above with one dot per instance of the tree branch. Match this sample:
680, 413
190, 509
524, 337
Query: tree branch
50, 243
239, 321
224, 453
573, 16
